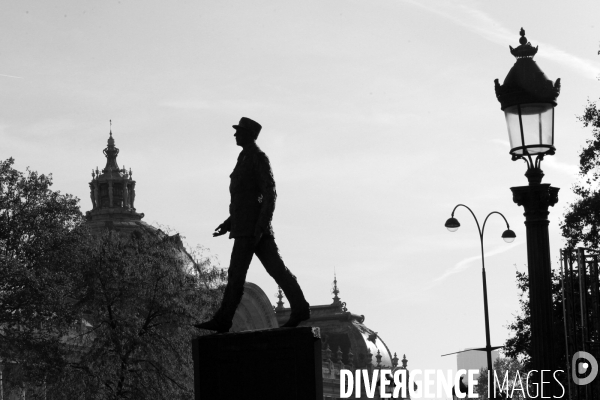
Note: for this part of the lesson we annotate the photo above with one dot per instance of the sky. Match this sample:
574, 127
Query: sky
378, 117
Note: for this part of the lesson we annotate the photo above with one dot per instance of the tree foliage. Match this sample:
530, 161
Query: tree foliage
581, 224
84, 316
139, 297
35, 224
518, 345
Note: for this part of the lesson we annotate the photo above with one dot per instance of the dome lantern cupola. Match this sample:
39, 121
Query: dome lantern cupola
112, 192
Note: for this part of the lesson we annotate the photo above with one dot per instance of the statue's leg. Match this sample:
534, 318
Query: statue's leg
241, 256
268, 254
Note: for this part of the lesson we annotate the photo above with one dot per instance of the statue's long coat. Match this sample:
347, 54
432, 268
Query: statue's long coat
253, 195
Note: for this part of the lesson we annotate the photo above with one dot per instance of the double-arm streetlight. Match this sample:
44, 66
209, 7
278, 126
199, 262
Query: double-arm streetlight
508, 235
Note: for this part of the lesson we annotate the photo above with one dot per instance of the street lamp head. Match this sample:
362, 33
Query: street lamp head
508, 236
452, 224
528, 98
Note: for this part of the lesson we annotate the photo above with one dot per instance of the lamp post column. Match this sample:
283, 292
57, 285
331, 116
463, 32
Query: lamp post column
535, 199
488, 346
528, 99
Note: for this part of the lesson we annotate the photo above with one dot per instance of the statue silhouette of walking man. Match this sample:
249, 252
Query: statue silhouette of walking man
251, 210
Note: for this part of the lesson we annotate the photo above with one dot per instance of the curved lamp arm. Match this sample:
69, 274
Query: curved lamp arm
494, 212
508, 235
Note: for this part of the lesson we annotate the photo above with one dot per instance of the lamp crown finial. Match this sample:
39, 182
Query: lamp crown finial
523, 39
525, 50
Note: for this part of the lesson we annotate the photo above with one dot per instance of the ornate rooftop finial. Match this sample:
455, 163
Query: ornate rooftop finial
404, 361
280, 297
525, 50
378, 358
111, 153
327, 354
335, 291
339, 354
350, 358
395, 361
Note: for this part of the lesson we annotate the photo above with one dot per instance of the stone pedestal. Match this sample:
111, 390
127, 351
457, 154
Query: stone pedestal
283, 363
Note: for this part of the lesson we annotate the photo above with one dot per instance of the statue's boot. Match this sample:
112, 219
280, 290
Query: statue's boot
298, 304
223, 318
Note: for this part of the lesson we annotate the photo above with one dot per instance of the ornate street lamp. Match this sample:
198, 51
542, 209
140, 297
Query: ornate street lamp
528, 98
508, 235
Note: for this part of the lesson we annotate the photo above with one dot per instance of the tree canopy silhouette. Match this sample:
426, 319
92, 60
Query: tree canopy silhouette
89, 316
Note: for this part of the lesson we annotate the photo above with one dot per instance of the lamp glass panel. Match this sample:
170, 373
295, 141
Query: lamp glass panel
537, 127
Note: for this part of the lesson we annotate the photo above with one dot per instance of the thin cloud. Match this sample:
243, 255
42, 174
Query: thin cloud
464, 264
11, 76
479, 22
587, 68
187, 105
193, 104
503, 143
569, 169
421, 294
